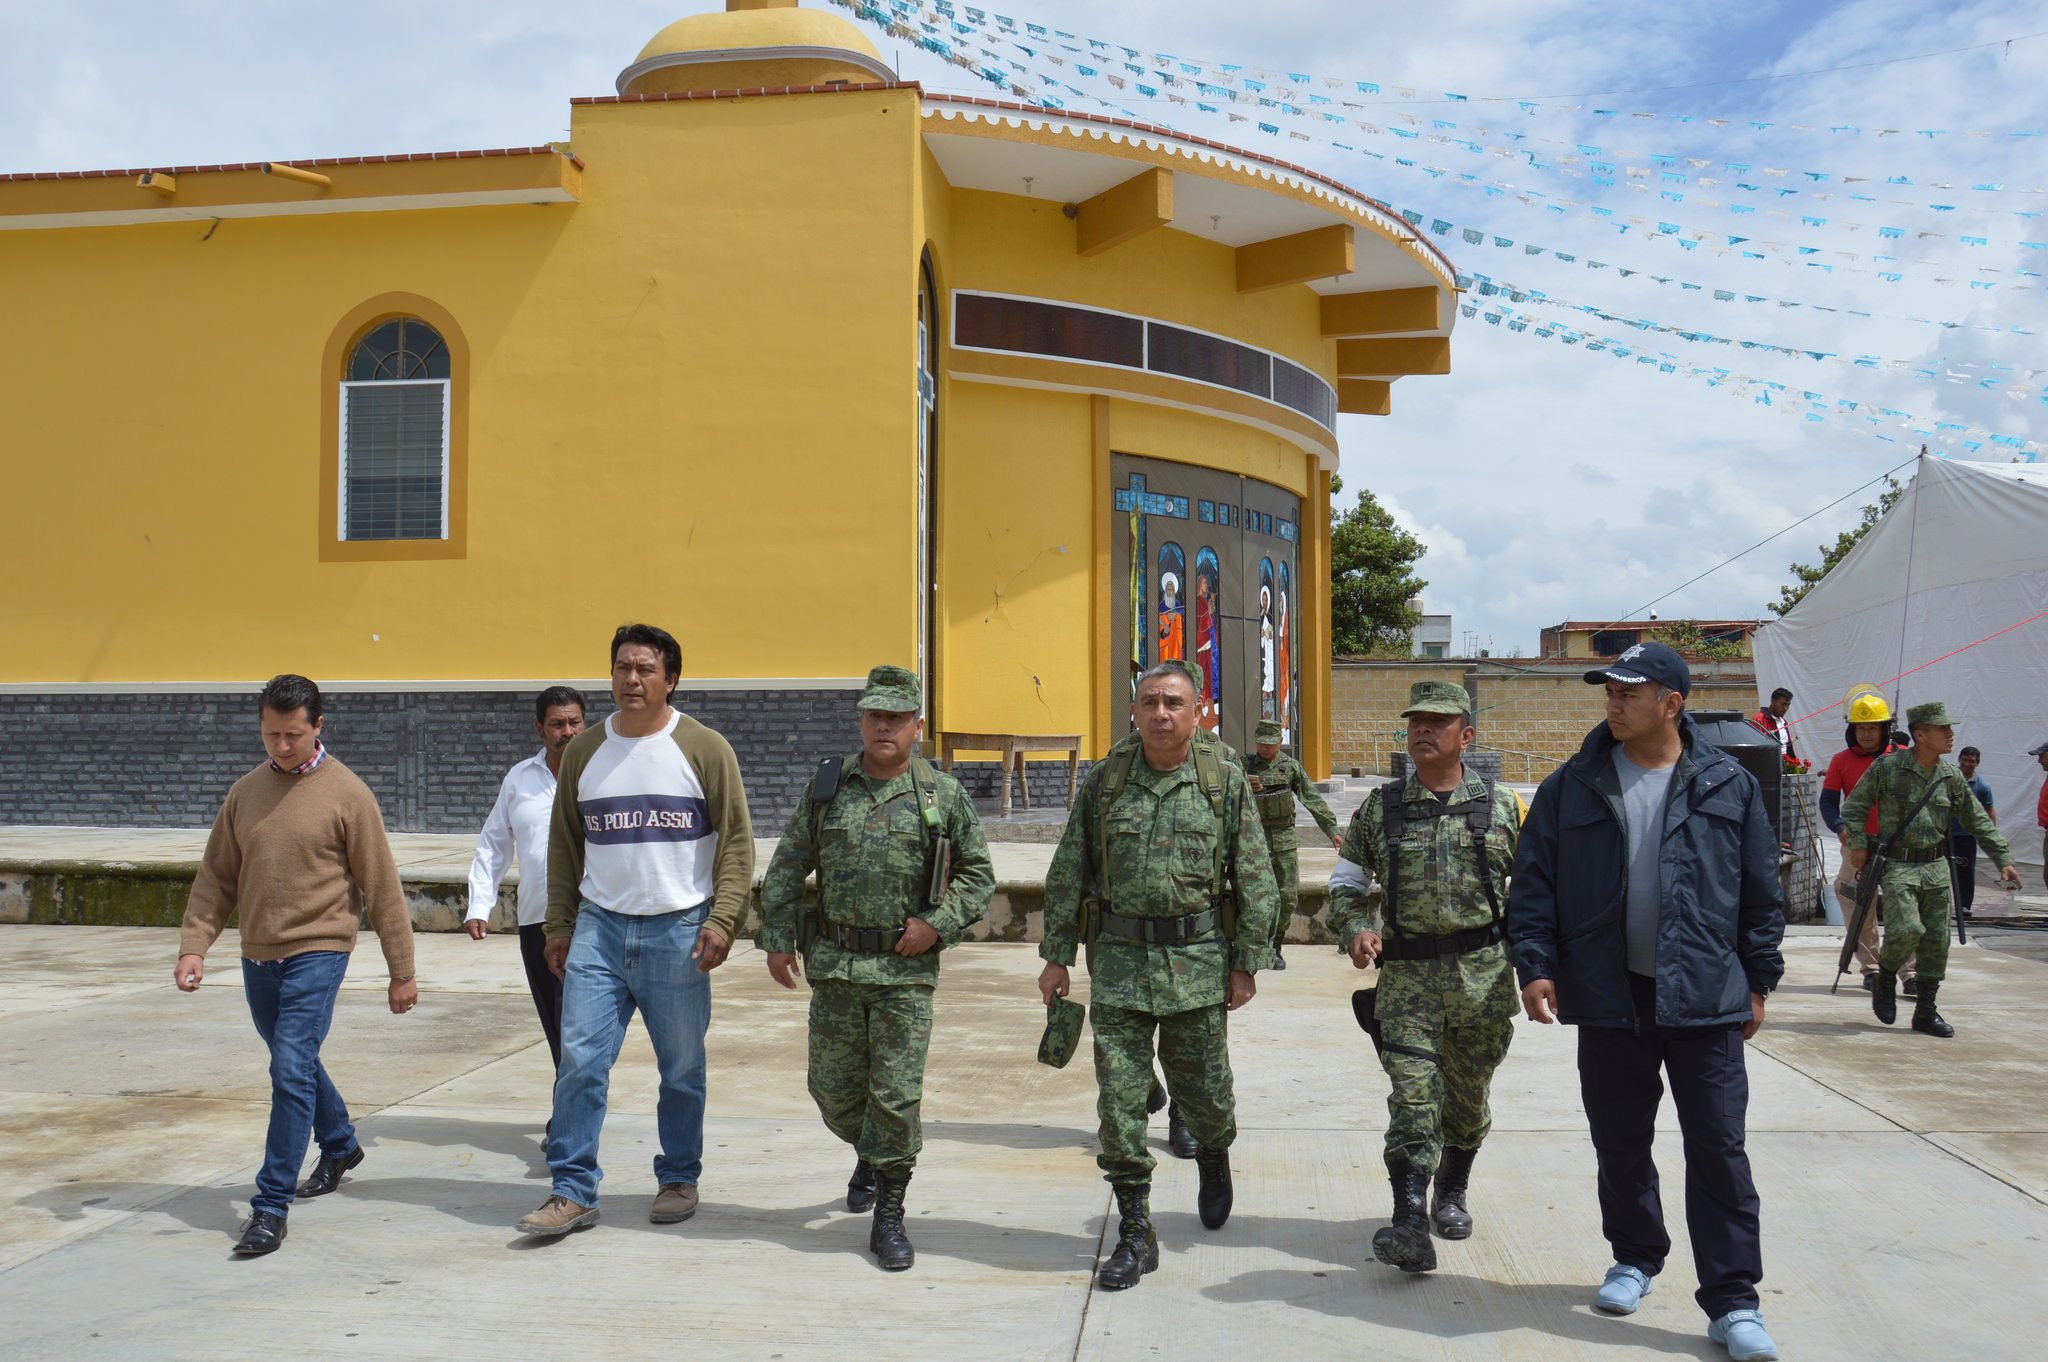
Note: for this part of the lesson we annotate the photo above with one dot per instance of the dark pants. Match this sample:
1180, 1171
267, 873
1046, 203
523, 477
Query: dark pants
543, 985
292, 1003
1962, 848
1620, 1084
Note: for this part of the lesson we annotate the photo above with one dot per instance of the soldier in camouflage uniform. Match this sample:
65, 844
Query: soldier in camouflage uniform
1154, 835
1278, 780
1916, 879
1446, 999
872, 949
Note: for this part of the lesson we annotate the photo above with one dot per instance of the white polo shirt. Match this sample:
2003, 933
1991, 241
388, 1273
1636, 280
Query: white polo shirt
648, 843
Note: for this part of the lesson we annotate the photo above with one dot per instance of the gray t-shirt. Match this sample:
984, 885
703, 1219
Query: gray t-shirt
1643, 794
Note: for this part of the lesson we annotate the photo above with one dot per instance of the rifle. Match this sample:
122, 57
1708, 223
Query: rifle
1871, 877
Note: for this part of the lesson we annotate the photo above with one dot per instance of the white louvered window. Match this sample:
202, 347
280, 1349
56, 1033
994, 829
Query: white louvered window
394, 435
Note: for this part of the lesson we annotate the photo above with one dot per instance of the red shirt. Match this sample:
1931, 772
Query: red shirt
2041, 814
1848, 767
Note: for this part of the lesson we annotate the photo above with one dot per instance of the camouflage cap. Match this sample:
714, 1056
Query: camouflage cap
1062, 1032
1934, 714
1267, 731
1437, 697
893, 689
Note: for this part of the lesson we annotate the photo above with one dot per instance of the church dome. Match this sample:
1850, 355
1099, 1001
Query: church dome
754, 43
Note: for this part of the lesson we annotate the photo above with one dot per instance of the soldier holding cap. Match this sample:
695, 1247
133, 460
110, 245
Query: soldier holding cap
1278, 780
1440, 842
1916, 796
903, 871
1162, 875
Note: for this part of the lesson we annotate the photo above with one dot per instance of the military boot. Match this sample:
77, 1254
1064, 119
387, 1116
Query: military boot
1405, 1243
1453, 1175
1925, 1019
1215, 1197
1178, 1137
1156, 1098
1884, 996
860, 1188
887, 1241
1137, 1245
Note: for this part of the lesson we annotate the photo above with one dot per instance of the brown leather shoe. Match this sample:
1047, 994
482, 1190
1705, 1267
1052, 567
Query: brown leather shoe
675, 1202
558, 1215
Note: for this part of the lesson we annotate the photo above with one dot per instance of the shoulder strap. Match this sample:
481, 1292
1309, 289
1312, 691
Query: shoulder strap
1116, 771
927, 793
824, 787
1479, 822
1393, 823
1209, 775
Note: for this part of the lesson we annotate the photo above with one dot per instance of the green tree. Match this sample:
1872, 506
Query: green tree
1830, 554
1688, 638
1372, 578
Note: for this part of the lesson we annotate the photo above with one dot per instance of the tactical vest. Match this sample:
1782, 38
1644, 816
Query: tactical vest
1395, 815
1276, 807
937, 856
1116, 772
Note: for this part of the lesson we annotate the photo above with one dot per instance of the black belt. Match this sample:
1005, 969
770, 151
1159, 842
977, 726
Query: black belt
1160, 931
869, 940
1436, 947
1918, 855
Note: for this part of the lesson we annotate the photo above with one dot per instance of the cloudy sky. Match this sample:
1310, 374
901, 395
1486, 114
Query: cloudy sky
1549, 480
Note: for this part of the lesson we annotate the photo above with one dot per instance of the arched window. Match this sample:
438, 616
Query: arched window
394, 464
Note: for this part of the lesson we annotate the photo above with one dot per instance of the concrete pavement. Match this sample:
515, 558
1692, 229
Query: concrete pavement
1903, 1179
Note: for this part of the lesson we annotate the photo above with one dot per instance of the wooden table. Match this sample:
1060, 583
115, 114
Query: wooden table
1013, 746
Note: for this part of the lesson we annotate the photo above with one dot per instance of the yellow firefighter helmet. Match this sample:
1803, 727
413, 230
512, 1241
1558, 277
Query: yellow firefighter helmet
1867, 706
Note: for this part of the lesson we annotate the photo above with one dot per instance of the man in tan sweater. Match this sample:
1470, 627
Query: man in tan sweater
298, 850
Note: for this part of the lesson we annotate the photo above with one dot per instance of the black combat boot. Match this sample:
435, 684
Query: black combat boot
1925, 1019
1884, 996
887, 1241
1178, 1137
1156, 1098
860, 1188
1405, 1243
1911, 988
1453, 1175
1214, 1199
1137, 1246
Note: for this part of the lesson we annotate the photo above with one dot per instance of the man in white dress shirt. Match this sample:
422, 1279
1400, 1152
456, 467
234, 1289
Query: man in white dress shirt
519, 824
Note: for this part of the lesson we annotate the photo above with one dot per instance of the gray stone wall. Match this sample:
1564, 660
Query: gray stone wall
434, 758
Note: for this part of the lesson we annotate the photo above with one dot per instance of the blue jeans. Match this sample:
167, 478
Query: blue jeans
618, 962
292, 1003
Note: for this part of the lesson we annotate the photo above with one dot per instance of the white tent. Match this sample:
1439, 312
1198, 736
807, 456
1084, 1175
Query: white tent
1917, 608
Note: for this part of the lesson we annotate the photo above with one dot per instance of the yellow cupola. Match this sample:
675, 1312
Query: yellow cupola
754, 44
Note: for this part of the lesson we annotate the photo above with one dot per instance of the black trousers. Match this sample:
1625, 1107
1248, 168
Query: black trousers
543, 985
1621, 1081
1963, 848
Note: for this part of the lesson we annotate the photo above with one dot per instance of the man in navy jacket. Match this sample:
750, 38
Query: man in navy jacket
1645, 910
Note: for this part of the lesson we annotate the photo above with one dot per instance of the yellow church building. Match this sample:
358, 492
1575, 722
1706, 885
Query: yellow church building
812, 367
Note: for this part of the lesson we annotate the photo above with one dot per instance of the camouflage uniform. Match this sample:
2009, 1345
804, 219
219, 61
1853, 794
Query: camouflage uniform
1459, 1007
871, 1012
1281, 782
1161, 838
1916, 895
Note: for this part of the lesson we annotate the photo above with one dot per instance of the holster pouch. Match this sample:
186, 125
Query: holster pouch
1090, 926
1365, 1007
1062, 1036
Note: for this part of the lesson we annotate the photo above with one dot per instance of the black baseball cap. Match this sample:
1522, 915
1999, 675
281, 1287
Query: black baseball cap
1645, 662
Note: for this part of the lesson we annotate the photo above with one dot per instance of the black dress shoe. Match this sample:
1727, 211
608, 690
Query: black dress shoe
264, 1233
327, 1173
